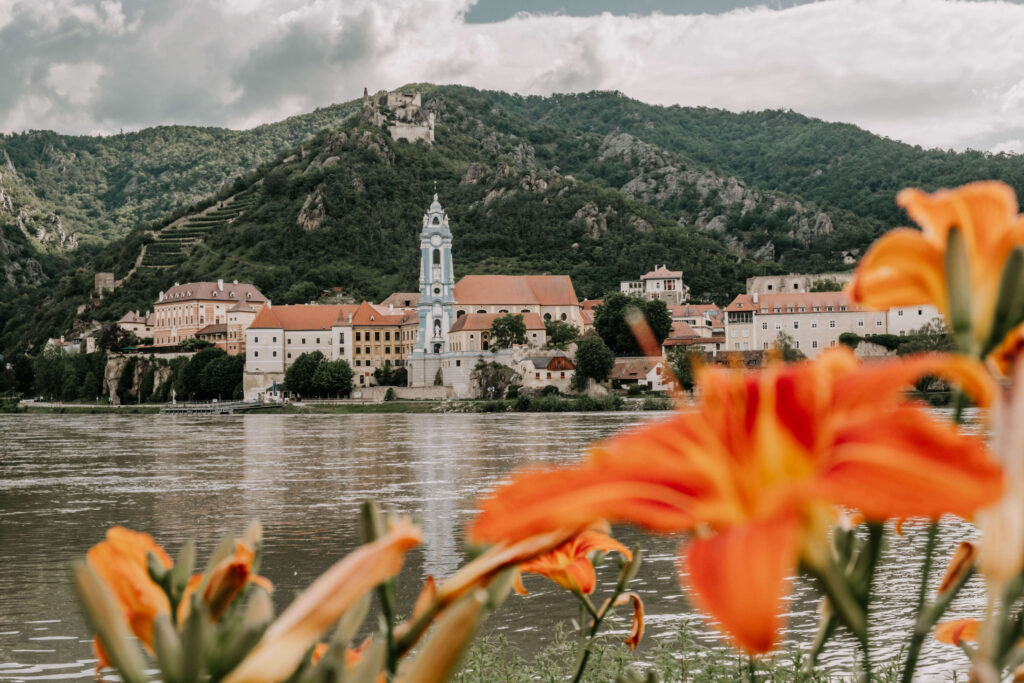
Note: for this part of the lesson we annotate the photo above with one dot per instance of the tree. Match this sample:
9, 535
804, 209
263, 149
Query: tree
684, 363
594, 360
221, 375
560, 334
610, 322
934, 336
195, 344
113, 338
507, 330
490, 375
192, 373
299, 375
826, 285
332, 378
301, 292
388, 376
785, 346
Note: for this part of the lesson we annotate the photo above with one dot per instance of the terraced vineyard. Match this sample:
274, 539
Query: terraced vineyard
174, 243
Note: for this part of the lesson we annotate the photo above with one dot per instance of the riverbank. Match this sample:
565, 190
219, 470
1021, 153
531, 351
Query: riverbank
522, 404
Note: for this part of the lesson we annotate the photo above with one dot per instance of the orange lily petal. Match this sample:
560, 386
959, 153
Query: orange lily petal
952, 632
902, 268
961, 562
281, 649
905, 464
637, 630
740, 576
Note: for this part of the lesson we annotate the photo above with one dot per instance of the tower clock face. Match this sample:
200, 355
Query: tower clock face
435, 240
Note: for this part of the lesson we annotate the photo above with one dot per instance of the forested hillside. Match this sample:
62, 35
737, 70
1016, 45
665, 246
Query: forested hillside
595, 185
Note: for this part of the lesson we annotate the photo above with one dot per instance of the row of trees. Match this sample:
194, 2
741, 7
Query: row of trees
312, 375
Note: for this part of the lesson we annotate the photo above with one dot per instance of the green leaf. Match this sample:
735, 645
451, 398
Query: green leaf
958, 282
1009, 310
107, 620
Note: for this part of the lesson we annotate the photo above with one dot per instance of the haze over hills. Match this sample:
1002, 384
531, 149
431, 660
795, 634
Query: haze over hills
594, 185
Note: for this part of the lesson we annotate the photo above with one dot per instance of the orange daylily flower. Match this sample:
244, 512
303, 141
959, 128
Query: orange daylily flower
298, 628
757, 471
907, 267
120, 561
569, 564
637, 630
953, 632
226, 580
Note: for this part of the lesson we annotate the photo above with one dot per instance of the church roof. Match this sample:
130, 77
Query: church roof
213, 291
515, 290
301, 316
483, 321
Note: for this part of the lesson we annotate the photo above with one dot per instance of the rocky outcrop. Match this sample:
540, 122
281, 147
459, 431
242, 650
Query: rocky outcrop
18, 268
6, 201
595, 220
313, 213
660, 178
47, 230
56, 160
6, 163
370, 140
116, 366
473, 174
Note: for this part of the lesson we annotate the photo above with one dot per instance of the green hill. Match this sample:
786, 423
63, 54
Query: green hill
596, 185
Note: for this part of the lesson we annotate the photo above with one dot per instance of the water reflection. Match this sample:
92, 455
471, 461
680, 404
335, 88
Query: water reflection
65, 479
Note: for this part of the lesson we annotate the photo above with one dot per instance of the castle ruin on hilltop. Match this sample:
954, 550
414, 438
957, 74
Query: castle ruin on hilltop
400, 113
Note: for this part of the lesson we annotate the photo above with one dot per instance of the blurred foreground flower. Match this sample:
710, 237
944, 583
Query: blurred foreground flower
756, 473
966, 260
569, 564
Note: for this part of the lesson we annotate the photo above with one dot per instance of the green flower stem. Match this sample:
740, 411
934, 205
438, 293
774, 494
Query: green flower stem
917, 637
926, 620
848, 608
598, 616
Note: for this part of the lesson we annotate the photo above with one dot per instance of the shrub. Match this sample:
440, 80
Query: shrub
636, 389
389, 395
654, 403
550, 390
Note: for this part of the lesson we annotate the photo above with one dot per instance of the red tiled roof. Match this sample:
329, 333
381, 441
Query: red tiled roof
483, 321
681, 329
300, 316
767, 303
691, 310
241, 307
216, 328
590, 304
369, 314
662, 272
209, 291
633, 368
132, 317
587, 316
521, 290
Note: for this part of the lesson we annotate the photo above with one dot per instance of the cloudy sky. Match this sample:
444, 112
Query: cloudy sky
938, 73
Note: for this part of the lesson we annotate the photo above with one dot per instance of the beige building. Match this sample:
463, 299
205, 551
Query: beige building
660, 283
471, 332
185, 309
794, 283
139, 324
552, 297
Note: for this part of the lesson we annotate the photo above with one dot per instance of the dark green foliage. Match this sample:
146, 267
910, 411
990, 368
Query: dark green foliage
610, 322
932, 337
113, 338
684, 363
560, 334
550, 390
507, 330
491, 379
221, 375
389, 395
126, 381
333, 379
851, 339
594, 360
24, 374
146, 386
635, 389
298, 378
390, 376
785, 346
826, 285
301, 293
192, 384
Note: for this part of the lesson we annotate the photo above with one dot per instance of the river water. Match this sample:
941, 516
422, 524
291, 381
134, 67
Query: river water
65, 479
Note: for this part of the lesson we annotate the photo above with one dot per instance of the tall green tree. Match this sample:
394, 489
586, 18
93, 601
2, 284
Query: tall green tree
683, 362
594, 360
559, 334
221, 375
332, 378
299, 375
610, 322
507, 330
192, 375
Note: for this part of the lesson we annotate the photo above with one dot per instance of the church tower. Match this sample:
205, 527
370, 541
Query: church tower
437, 297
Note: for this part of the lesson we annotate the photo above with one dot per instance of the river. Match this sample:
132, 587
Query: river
64, 479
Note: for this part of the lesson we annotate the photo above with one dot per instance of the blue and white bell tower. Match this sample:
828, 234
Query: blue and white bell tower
437, 297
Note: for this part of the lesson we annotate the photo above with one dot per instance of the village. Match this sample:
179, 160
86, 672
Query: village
431, 341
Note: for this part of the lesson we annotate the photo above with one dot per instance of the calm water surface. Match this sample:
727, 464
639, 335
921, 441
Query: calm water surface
65, 479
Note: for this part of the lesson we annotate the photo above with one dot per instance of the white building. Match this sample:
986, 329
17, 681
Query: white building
813, 320
660, 283
793, 283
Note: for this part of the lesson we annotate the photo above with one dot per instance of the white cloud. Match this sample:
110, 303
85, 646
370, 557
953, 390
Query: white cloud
76, 83
931, 72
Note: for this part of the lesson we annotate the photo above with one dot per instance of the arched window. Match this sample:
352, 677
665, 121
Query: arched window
547, 316
482, 311
459, 314
437, 257
565, 317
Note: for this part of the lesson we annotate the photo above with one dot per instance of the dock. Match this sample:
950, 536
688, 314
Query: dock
209, 408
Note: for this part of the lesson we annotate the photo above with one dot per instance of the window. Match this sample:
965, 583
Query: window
359, 336
814, 344
256, 340
899, 312
358, 351
828, 308
769, 288
764, 326
832, 323
538, 375
920, 311
778, 326
814, 326
366, 350
796, 344
563, 374
842, 308
565, 317
796, 324
303, 340
255, 354
387, 349
878, 323
387, 336
274, 339
376, 336
341, 337
458, 363
796, 286
358, 362
274, 354
549, 375
860, 323
289, 354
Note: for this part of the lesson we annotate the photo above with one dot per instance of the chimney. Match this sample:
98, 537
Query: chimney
391, 308
161, 297
220, 285
234, 282
755, 297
